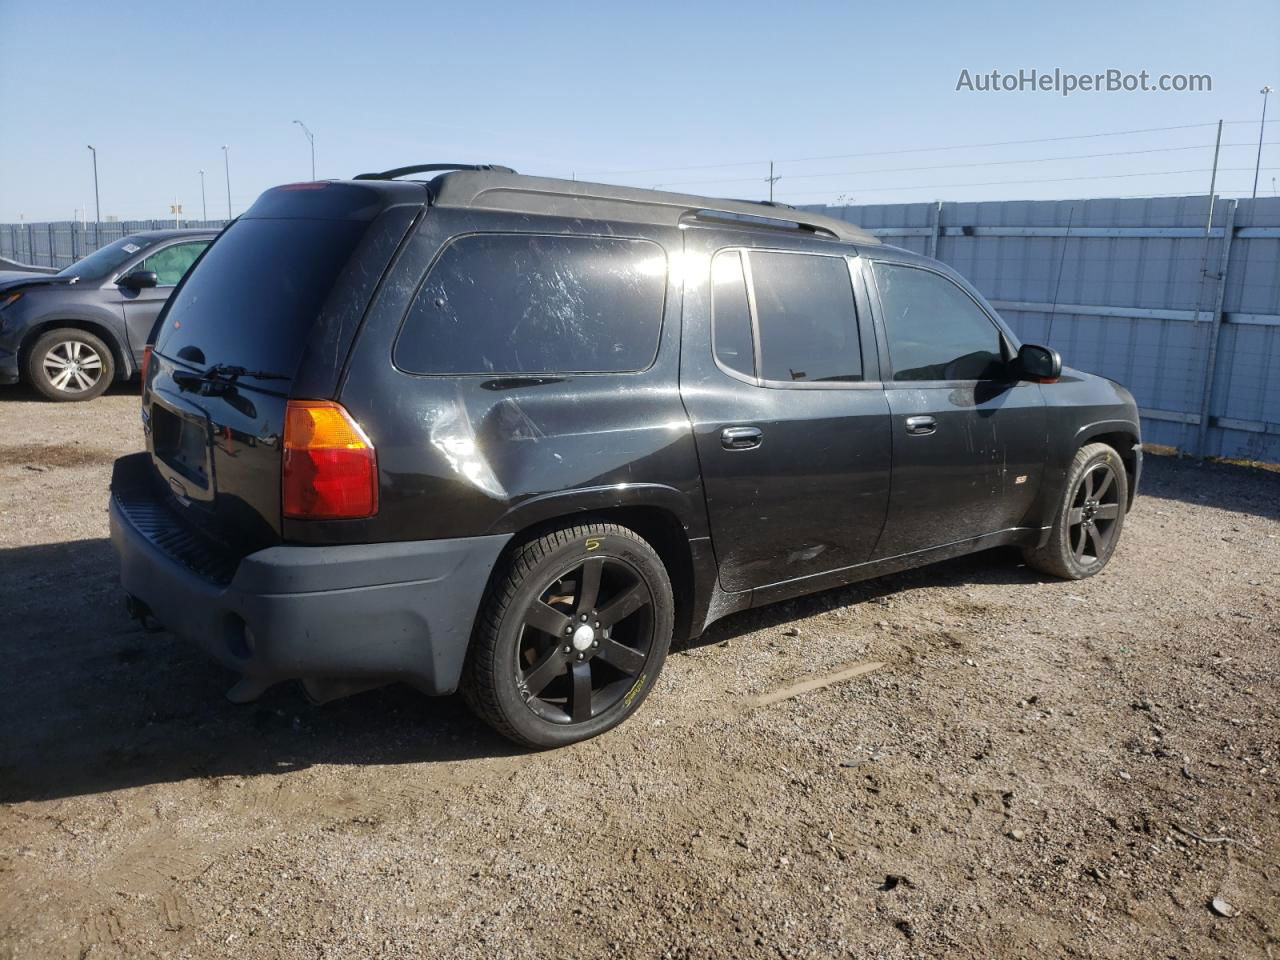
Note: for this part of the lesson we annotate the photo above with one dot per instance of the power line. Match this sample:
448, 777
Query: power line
981, 163
1002, 183
885, 153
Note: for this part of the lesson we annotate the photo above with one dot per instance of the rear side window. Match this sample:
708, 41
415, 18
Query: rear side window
806, 316
524, 303
935, 330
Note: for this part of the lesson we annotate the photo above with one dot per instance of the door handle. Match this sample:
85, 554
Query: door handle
741, 438
921, 426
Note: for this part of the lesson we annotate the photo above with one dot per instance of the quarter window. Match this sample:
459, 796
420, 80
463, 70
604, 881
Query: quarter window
171, 263
731, 314
806, 318
935, 330
522, 303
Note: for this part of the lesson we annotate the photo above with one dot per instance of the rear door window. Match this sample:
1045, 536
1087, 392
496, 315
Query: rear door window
532, 304
731, 314
806, 317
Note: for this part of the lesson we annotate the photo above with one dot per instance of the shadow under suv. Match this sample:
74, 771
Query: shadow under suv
510, 435
71, 333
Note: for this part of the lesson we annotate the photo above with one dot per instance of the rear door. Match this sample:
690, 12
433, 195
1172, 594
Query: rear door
968, 436
141, 307
781, 384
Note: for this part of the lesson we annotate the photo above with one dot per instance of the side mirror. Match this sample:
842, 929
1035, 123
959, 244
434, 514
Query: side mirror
1039, 363
139, 280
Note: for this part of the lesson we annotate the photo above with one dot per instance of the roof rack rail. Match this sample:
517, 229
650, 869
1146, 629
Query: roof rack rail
430, 168
715, 215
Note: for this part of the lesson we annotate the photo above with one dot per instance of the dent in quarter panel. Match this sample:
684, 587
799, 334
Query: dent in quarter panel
462, 455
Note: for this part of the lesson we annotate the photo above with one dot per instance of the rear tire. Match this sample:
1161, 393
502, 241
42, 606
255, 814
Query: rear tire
1090, 516
70, 364
571, 635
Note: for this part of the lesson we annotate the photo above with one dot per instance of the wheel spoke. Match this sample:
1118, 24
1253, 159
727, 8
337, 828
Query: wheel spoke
91, 362
624, 604
1088, 485
589, 586
547, 669
581, 696
1075, 515
543, 617
1096, 539
619, 655
1108, 511
1078, 548
81, 381
55, 363
60, 381
1105, 485
74, 348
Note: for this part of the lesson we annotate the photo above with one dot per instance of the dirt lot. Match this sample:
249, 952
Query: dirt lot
1039, 768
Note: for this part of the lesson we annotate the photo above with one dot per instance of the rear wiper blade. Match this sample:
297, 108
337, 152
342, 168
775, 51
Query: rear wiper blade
229, 373
219, 378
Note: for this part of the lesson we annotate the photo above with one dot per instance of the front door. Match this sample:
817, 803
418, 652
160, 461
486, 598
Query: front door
968, 436
141, 307
781, 384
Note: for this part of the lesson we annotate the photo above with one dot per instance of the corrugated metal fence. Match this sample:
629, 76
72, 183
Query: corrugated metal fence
1188, 320
62, 243
1136, 290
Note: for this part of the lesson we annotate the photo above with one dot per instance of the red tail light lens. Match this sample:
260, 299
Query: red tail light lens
146, 362
330, 466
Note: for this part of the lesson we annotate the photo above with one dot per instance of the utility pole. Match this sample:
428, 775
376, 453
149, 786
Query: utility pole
204, 207
1265, 91
97, 208
312, 140
771, 180
227, 165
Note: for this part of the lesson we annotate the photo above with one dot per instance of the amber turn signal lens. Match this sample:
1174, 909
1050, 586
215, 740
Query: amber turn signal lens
330, 466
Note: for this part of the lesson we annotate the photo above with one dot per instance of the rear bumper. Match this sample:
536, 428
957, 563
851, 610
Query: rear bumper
368, 612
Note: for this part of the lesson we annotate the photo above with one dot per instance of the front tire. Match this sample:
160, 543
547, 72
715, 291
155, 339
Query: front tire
1090, 516
70, 364
571, 635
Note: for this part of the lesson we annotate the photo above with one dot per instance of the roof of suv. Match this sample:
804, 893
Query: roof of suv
500, 189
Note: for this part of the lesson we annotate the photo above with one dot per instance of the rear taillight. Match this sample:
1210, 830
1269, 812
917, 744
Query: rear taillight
330, 467
146, 362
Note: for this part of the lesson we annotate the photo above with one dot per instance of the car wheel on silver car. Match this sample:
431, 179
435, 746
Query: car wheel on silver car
70, 364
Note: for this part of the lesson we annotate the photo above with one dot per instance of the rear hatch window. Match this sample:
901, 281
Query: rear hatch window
256, 295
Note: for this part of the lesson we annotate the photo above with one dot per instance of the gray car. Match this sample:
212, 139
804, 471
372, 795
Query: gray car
71, 333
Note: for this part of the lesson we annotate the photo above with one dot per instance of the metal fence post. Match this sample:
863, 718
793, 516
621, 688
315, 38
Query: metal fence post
1215, 326
935, 221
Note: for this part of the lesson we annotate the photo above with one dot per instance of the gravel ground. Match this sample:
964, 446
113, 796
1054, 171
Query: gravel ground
1039, 768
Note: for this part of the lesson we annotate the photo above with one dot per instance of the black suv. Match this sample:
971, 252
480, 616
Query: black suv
511, 435
71, 333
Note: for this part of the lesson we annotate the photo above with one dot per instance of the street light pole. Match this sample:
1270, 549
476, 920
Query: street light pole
1261, 127
97, 208
226, 163
312, 140
204, 207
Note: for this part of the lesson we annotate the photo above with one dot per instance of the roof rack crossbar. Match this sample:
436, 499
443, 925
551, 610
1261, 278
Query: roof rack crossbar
430, 168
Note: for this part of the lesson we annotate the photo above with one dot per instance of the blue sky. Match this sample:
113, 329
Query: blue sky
623, 93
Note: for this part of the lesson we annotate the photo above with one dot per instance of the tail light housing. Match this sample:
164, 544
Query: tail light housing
330, 467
